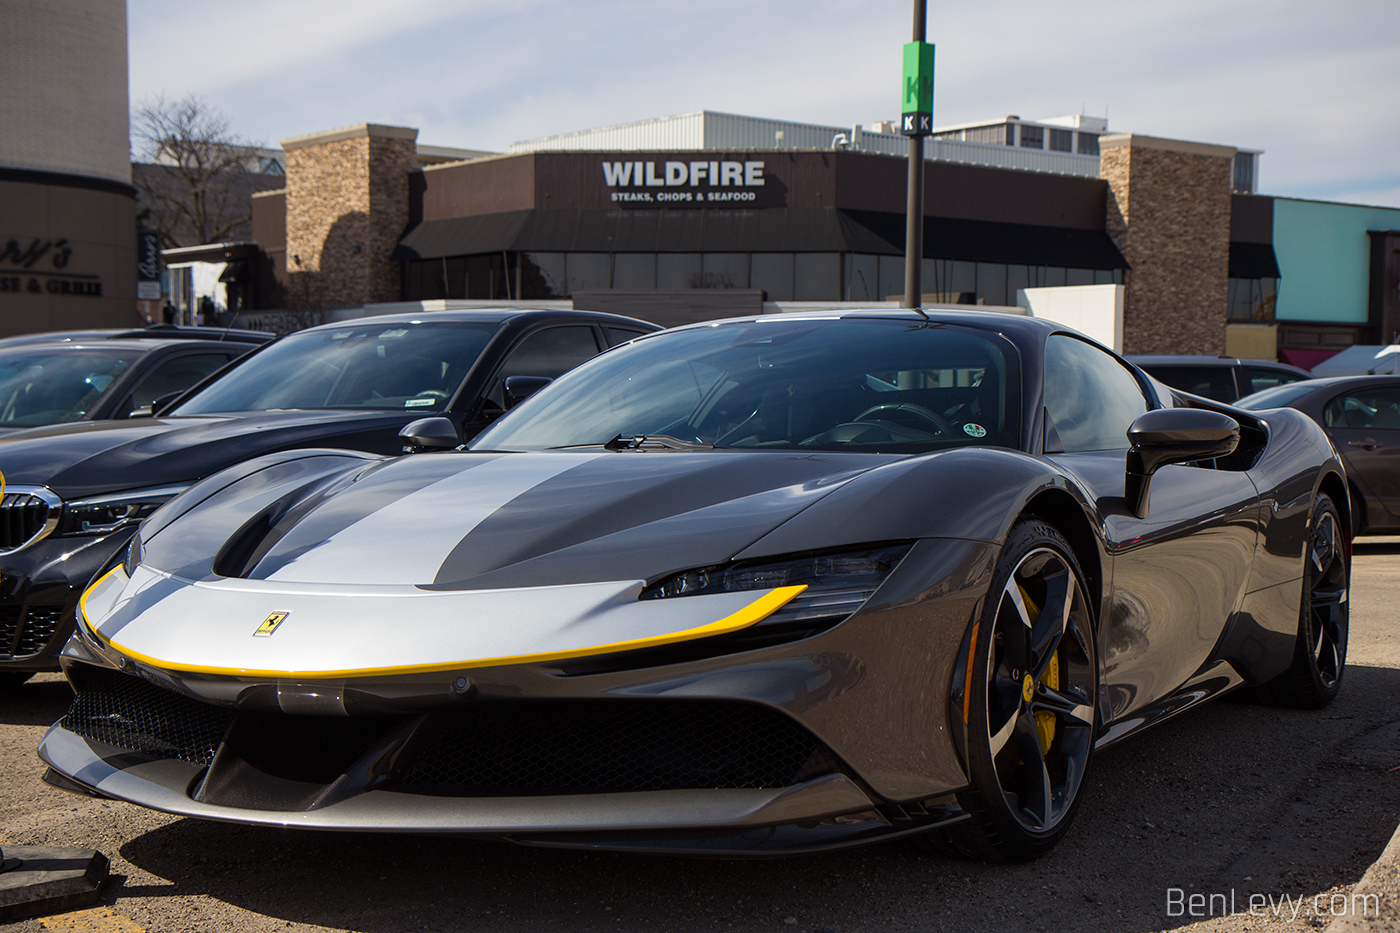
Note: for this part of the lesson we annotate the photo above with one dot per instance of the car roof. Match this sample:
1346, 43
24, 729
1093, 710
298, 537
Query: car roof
1190, 359
1329, 382
163, 333
490, 316
145, 345
982, 320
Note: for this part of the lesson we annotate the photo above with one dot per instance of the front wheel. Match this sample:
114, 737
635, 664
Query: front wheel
1029, 706
1320, 652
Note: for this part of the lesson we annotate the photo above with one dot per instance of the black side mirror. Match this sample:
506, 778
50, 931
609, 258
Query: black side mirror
430, 434
1173, 435
518, 388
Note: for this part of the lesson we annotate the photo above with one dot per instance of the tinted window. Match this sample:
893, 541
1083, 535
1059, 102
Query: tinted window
41, 386
1090, 397
617, 335
175, 375
784, 384
1376, 409
1217, 382
1261, 378
1277, 397
551, 352
407, 366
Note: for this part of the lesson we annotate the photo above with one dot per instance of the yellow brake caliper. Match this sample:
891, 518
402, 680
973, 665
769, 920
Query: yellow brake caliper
1044, 721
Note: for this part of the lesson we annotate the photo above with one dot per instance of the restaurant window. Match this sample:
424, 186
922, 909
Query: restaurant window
542, 275
991, 283
1251, 299
587, 272
634, 271
862, 277
772, 272
1062, 140
677, 270
724, 270
817, 277
891, 276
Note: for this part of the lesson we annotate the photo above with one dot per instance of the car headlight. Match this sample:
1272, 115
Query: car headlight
101, 515
838, 582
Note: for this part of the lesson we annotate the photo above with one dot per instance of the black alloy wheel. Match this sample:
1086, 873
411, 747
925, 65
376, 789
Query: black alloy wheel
1029, 706
1319, 656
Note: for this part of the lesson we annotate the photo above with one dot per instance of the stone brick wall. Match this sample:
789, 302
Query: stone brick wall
347, 205
1169, 213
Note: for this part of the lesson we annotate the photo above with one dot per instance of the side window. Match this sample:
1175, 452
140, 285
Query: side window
1217, 382
617, 335
1375, 409
1261, 379
1090, 397
550, 353
175, 375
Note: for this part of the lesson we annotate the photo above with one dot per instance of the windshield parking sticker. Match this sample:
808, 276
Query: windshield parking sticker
974, 430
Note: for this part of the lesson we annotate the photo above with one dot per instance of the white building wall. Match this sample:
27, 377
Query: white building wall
1094, 310
64, 107
706, 130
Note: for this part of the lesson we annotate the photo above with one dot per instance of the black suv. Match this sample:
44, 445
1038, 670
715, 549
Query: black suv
63, 376
1222, 378
75, 493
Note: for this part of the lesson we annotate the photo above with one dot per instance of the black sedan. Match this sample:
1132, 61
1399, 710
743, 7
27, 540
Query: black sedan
1361, 415
74, 493
60, 377
771, 584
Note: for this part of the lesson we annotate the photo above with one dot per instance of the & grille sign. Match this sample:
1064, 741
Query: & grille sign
707, 183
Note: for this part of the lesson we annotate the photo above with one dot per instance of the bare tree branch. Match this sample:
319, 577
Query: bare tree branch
196, 189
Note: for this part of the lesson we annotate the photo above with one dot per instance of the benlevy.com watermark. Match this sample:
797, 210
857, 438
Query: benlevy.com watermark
1223, 904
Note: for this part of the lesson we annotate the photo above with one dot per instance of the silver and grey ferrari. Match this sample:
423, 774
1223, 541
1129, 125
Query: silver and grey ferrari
771, 584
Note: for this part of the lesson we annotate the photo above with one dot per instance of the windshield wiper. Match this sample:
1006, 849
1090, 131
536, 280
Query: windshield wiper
655, 442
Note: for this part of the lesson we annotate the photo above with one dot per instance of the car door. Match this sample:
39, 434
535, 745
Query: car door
1177, 575
1364, 424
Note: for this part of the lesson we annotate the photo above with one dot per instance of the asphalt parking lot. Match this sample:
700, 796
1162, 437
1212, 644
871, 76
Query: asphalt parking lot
1227, 801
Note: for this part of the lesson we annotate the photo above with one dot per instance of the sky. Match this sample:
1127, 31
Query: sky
1311, 83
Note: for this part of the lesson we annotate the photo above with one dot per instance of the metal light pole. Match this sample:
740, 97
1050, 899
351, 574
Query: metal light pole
914, 210
916, 122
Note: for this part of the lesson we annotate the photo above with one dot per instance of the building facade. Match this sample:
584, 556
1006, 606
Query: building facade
68, 249
702, 210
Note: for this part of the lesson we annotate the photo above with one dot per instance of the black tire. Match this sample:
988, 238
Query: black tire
1030, 713
9, 680
1320, 652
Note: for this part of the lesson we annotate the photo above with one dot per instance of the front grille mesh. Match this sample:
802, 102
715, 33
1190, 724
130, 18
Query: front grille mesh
494, 748
40, 623
22, 516
594, 746
129, 713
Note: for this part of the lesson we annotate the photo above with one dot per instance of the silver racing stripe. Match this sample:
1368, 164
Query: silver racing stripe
408, 539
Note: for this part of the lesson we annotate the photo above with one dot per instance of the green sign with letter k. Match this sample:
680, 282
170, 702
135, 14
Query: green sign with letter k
916, 105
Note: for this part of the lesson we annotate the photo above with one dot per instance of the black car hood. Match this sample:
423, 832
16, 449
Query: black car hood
92, 458
500, 520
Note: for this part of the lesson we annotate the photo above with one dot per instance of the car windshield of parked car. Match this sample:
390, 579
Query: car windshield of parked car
1277, 397
854, 384
53, 385
412, 366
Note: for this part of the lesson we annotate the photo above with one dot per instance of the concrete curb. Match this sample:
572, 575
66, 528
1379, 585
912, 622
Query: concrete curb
1382, 880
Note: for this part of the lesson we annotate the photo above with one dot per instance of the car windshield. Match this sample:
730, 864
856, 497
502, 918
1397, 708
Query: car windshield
51, 385
833, 384
1277, 397
413, 366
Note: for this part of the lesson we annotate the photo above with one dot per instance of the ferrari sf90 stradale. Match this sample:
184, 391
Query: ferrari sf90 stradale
771, 584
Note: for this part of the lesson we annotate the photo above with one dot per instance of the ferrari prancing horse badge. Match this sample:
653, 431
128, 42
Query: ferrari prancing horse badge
270, 623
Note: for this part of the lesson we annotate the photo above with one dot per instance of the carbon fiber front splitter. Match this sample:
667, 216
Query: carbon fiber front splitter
825, 812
